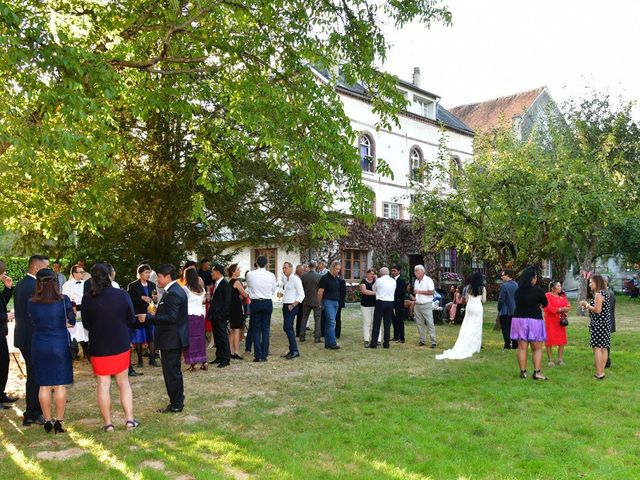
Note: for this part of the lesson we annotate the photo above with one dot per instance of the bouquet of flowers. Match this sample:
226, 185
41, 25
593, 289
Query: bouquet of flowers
450, 277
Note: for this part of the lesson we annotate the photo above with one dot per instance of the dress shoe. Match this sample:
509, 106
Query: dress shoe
8, 399
422, 344
292, 355
285, 355
333, 347
366, 344
170, 409
433, 345
153, 363
256, 360
39, 420
214, 361
236, 356
133, 373
222, 365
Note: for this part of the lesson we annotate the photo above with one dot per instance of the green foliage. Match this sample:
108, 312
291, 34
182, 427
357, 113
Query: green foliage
555, 196
143, 129
16, 267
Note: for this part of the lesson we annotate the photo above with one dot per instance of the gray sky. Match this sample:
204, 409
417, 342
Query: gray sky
499, 47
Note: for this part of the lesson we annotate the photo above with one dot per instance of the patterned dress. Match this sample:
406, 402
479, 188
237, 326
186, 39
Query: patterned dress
600, 325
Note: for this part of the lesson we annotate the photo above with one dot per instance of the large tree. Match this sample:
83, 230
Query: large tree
158, 125
561, 194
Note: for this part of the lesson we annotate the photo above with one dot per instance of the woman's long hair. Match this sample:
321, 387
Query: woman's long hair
527, 276
100, 279
193, 280
475, 282
47, 289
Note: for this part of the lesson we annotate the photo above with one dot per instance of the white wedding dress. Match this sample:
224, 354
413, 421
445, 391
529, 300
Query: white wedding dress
470, 336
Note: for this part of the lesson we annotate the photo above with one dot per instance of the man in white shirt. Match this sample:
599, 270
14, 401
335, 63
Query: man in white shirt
261, 285
423, 289
291, 302
385, 288
74, 289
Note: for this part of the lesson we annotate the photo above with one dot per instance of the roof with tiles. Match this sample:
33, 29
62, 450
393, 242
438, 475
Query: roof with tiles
485, 116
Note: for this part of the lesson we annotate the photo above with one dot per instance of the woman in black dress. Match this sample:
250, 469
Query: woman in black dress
600, 327
236, 313
52, 314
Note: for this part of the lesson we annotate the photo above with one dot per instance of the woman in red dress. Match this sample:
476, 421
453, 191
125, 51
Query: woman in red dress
557, 306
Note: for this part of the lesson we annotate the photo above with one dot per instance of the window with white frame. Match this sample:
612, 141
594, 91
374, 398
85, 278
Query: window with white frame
415, 158
365, 148
547, 269
392, 210
477, 265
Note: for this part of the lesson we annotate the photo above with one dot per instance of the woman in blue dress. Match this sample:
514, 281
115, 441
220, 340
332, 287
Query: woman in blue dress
52, 314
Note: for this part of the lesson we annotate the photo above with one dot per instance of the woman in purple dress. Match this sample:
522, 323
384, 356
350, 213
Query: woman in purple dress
527, 324
196, 352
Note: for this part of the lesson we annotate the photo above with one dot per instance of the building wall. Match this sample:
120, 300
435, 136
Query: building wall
537, 115
394, 146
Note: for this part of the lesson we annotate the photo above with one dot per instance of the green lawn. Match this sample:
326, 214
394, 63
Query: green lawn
356, 413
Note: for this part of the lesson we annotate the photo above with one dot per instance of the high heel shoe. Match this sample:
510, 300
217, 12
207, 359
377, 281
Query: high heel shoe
57, 427
523, 374
48, 426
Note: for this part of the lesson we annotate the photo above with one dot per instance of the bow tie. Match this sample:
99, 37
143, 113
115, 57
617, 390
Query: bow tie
79, 281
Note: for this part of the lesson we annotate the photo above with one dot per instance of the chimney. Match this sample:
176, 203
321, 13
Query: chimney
416, 76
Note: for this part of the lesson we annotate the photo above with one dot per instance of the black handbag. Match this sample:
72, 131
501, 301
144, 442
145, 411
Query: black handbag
564, 320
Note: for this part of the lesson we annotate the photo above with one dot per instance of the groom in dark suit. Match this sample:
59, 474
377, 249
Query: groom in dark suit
171, 334
399, 311
219, 316
23, 291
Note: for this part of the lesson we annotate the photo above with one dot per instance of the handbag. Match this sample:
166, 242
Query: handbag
564, 320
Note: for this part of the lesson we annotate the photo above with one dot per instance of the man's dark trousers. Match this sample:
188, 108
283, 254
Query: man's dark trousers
172, 371
382, 313
261, 318
505, 326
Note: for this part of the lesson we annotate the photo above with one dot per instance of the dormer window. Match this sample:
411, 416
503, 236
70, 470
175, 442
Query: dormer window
365, 148
425, 107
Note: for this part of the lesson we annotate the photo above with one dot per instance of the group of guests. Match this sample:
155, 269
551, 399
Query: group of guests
530, 317
173, 314
386, 301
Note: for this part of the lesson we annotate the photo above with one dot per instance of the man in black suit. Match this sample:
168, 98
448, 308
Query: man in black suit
22, 337
399, 312
4, 350
171, 334
219, 316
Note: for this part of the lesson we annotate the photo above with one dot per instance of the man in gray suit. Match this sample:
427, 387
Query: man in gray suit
310, 282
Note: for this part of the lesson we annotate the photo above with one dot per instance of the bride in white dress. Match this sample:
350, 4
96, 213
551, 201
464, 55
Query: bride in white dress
470, 336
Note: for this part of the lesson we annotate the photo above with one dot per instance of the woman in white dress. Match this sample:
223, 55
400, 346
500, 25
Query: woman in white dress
470, 336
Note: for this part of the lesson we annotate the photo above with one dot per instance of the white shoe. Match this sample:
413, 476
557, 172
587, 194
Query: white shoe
551, 364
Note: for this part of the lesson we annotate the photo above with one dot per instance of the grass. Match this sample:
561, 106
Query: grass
362, 414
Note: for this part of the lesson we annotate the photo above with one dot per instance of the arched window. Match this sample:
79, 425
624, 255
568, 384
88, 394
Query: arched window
456, 170
365, 148
416, 167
